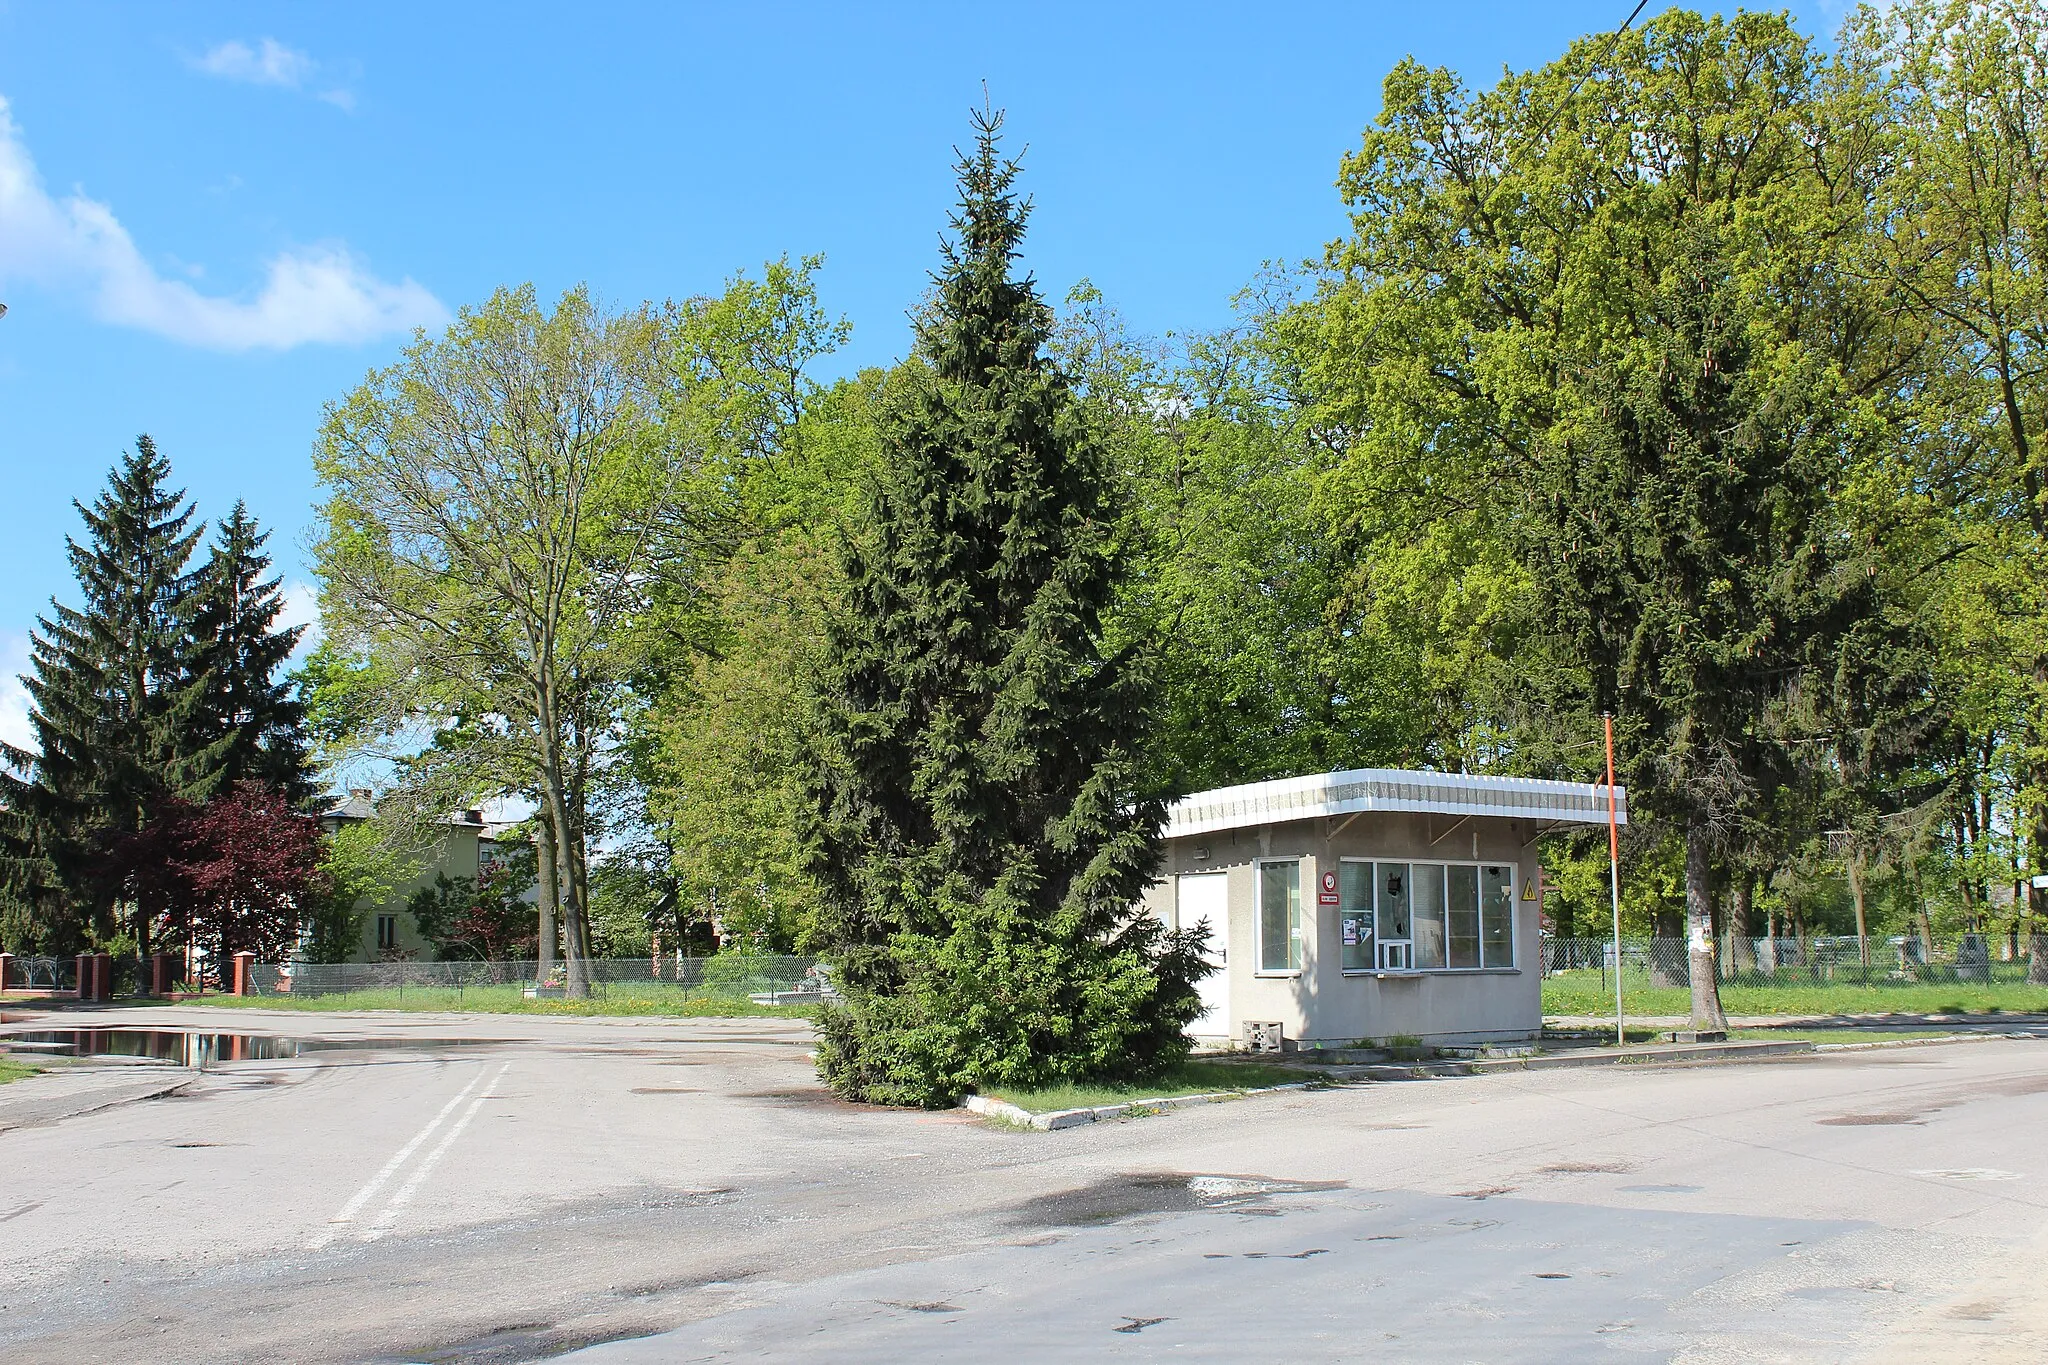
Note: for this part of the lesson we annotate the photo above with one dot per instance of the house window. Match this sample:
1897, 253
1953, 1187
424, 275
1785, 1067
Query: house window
387, 932
1280, 916
1426, 916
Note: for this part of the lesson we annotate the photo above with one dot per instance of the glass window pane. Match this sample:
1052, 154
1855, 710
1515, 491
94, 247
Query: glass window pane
1280, 917
1497, 920
1354, 915
1463, 938
1426, 903
1391, 880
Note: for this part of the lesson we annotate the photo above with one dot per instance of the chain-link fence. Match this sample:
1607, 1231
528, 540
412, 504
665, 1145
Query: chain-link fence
733, 978
1898, 958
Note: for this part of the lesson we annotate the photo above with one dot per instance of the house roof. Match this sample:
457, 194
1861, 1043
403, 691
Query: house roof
355, 806
1391, 789
358, 805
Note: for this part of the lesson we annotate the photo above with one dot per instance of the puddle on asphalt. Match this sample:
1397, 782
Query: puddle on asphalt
187, 1047
1128, 1196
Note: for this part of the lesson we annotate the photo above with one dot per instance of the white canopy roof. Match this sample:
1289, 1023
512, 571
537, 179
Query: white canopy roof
1391, 789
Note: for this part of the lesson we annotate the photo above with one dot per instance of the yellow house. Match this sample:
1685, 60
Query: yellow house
468, 845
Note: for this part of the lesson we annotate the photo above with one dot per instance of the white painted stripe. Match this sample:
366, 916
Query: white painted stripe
425, 1168
363, 1196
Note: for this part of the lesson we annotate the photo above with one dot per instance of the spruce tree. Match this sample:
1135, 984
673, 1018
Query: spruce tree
242, 655
977, 822
118, 696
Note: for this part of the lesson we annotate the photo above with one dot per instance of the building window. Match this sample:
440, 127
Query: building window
1463, 938
1497, 916
1280, 916
1354, 915
1426, 916
1428, 903
387, 932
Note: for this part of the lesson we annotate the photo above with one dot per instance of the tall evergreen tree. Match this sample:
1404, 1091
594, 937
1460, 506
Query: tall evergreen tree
242, 654
118, 698
978, 827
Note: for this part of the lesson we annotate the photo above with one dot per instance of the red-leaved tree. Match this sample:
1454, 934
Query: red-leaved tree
234, 875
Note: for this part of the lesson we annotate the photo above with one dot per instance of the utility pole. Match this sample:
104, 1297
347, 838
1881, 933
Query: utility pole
1614, 877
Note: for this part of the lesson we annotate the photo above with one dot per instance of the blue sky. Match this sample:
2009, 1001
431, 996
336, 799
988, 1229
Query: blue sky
214, 218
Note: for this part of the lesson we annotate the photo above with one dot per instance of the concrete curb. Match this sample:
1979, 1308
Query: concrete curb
25, 1112
1651, 1055
1056, 1119
1626, 1056
1876, 1044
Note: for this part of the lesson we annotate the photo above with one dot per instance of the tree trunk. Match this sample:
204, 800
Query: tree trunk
2037, 837
555, 797
545, 889
1699, 927
573, 940
579, 873
1862, 917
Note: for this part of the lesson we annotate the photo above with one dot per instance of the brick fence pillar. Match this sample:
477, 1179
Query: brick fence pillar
160, 974
243, 962
102, 976
85, 976
6, 969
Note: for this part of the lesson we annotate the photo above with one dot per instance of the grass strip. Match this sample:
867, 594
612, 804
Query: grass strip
664, 1002
1583, 993
14, 1071
1189, 1078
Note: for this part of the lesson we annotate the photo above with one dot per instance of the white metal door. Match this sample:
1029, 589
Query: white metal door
1200, 896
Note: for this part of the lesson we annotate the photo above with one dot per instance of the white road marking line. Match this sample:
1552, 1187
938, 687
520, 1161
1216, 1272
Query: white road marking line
421, 1171
363, 1196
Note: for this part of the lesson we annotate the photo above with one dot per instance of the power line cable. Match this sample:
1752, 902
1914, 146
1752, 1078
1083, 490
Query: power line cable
1613, 41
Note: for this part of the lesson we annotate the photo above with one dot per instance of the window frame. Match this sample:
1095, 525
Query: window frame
1514, 933
1298, 929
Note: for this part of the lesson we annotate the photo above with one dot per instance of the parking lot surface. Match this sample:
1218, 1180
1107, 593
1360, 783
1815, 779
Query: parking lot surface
503, 1188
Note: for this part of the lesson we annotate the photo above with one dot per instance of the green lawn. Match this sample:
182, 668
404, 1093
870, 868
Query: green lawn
623, 999
1583, 993
14, 1071
1189, 1078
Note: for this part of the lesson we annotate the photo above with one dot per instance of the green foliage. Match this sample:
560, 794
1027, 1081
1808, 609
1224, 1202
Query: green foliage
160, 687
476, 919
979, 841
362, 871
630, 898
725, 757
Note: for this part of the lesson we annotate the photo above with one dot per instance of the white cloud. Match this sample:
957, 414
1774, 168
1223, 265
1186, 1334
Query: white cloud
14, 704
301, 608
268, 63
318, 294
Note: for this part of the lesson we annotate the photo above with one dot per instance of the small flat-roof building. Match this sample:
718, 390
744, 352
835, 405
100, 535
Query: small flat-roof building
1370, 904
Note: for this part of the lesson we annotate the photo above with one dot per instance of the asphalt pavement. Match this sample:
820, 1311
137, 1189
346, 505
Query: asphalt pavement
479, 1188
